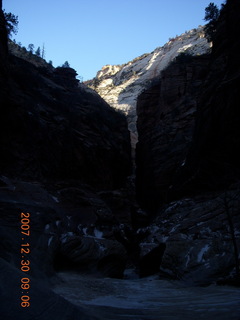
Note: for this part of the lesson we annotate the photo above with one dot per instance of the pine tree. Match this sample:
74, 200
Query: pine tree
43, 52
11, 23
31, 47
66, 65
38, 52
211, 14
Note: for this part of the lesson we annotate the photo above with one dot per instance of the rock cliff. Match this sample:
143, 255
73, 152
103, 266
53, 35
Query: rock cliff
54, 129
213, 160
187, 155
62, 146
166, 117
120, 85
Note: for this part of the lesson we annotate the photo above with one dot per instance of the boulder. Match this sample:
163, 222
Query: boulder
150, 258
198, 236
91, 254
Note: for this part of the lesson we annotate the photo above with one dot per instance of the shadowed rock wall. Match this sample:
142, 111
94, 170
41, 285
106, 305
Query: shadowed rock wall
60, 145
188, 122
213, 161
52, 129
188, 165
166, 118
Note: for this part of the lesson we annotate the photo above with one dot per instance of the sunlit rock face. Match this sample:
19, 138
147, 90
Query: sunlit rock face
108, 70
121, 85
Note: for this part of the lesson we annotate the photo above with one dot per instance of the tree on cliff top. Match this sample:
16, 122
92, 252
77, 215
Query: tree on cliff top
211, 14
3, 33
11, 23
66, 65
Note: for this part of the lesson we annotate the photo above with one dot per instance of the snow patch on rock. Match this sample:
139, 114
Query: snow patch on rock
50, 240
98, 234
202, 252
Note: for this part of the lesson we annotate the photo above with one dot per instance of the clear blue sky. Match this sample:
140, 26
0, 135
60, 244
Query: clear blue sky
92, 33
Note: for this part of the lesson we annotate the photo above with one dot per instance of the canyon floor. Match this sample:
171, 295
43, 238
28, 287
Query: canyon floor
148, 298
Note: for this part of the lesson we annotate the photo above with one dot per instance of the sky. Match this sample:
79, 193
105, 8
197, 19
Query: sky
92, 33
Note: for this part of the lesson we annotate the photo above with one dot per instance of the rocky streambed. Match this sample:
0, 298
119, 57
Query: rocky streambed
148, 298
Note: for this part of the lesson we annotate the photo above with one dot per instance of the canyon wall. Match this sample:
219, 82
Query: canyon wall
120, 85
213, 159
166, 118
64, 153
188, 162
187, 121
52, 129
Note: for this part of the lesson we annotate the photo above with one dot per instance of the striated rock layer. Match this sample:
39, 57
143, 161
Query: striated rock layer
187, 155
52, 129
121, 85
61, 145
213, 161
166, 118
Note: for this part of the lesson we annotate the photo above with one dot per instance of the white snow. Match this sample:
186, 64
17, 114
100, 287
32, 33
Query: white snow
65, 236
188, 256
164, 238
98, 234
154, 229
201, 253
55, 199
183, 163
50, 240
188, 260
58, 223
174, 228
84, 231
101, 247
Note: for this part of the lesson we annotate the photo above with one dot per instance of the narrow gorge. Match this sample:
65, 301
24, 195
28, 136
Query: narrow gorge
131, 182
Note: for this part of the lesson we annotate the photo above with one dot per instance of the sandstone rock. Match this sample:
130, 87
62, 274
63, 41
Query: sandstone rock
213, 160
91, 254
198, 262
188, 142
66, 77
150, 258
166, 118
197, 234
121, 85
58, 229
52, 130
60, 145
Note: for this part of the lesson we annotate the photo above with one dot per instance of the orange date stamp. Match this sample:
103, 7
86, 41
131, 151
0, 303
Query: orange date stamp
25, 262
